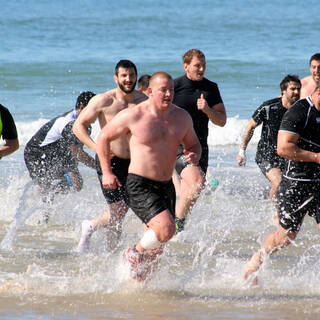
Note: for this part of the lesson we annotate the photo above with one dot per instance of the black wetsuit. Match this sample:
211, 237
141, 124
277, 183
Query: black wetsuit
270, 114
299, 189
8, 128
186, 94
47, 154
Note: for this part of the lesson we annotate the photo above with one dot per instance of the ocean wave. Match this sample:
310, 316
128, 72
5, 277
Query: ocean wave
228, 135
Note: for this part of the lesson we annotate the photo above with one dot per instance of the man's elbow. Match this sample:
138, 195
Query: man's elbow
16, 145
282, 152
223, 122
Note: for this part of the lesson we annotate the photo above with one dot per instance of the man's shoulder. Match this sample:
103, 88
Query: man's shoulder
209, 82
180, 112
103, 100
306, 80
272, 102
139, 97
4, 109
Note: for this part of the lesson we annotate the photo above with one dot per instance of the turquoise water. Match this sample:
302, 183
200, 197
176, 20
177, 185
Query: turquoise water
52, 50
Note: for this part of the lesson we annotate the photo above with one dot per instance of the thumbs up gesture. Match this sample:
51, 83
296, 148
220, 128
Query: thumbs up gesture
202, 103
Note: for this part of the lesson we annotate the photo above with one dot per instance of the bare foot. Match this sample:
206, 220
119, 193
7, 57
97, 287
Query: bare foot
252, 267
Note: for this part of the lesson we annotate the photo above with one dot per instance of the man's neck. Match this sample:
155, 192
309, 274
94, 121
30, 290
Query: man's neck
128, 97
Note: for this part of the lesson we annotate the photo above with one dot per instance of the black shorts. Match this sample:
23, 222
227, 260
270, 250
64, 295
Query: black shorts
147, 198
296, 199
181, 162
119, 167
267, 163
49, 172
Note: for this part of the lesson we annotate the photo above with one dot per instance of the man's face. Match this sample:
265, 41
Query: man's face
292, 93
315, 70
195, 69
126, 79
162, 92
316, 98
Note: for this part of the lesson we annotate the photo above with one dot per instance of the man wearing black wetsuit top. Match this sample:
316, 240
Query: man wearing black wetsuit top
8, 132
270, 114
201, 98
299, 142
54, 151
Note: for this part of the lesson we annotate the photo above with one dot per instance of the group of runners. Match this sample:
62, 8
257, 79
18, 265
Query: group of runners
158, 134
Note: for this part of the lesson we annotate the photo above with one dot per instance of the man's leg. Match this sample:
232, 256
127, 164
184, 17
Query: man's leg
275, 241
143, 256
110, 219
192, 183
274, 176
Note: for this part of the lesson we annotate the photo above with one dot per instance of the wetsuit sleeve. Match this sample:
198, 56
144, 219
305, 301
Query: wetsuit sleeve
259, 115
214, 96
69, 136
293, 120
9, 130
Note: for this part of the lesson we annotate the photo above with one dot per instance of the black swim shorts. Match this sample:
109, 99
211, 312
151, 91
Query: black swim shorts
147, 198
181, 163
296, 199
119, 167
267, 163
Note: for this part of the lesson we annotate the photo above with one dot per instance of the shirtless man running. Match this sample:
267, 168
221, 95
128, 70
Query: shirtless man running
104, 107
309, 83
155, 128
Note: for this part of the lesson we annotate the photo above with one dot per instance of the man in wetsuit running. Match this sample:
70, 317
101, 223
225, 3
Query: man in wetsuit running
299, 142
52, 154
270, 114
8, 132
155, 129
201, 98
104, 107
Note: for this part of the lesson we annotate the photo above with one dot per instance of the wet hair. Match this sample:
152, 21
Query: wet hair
83, 99
125, 64
187, 57
316, 57
143, 82
289, 78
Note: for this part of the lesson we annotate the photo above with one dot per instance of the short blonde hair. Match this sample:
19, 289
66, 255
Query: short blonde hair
187, 57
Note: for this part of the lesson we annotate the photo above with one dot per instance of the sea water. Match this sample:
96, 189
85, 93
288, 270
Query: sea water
50, 51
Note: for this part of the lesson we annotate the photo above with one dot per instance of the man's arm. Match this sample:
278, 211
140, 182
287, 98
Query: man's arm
82, 156
287, 148
192, 146
11, 145
87, 116
116, 128
216, 114
246, 137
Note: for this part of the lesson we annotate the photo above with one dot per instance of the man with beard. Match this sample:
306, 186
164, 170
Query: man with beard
309, 83
104, 107
270, 114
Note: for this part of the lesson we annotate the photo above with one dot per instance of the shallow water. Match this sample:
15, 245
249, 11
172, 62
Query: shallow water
200, 273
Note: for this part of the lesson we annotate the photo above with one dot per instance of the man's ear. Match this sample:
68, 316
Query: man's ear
115, 78
185, 66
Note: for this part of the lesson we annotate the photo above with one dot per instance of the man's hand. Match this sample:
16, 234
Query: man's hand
191, 157
202, 103
241, 158
110, 181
